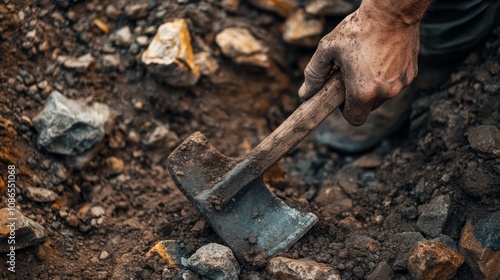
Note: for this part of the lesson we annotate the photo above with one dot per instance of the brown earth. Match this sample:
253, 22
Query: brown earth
375, 195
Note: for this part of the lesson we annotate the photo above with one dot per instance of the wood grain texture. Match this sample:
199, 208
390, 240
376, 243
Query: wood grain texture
283, 139
298, 125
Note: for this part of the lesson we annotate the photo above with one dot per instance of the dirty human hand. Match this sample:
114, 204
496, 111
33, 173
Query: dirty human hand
375, 48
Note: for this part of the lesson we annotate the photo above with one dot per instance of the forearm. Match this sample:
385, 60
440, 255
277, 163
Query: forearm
398, 12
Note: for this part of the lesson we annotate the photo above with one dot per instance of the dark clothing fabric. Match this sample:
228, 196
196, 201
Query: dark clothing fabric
452, 28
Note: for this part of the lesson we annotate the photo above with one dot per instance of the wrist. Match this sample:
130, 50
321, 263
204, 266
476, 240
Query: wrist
395, 13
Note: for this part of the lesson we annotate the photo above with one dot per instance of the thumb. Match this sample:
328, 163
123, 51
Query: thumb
317, 71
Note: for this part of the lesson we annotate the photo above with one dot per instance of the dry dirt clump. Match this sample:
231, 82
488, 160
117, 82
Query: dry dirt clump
102, 220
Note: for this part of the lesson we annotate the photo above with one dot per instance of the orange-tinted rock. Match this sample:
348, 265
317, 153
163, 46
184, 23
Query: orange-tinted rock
480, 244
169, 250
331, 7
430, 260
170, 55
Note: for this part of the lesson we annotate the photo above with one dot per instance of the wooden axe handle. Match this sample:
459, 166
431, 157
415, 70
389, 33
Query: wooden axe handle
298, 125
284, 138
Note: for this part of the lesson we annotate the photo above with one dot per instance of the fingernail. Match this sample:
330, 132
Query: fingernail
302, 91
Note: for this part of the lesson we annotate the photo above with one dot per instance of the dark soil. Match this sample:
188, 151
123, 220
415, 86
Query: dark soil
235, 108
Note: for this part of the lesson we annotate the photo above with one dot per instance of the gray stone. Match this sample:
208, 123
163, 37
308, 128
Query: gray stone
487, 231
137, 11
96, 212
382, 272
485, 139
189, 275
142, 40
214, 261
289, 269
104, 255
26, 231
434, 215
446, 241
303, 30
69, 127
480, 244
331, 7
122, 269
170, 55
40, 194
240, 45
123, 37
406, 241
79, 64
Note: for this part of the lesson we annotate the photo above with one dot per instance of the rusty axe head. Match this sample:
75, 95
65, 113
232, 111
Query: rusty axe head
252, 221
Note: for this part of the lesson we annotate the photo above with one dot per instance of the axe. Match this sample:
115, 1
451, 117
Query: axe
230, 193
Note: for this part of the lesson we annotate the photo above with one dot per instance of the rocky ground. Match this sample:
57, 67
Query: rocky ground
89, 115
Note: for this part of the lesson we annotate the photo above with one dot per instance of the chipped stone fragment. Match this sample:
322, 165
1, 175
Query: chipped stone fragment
26, 231
303, 30
430, 260
72, 128
79, 64
289, 269
40, 194
480, 244
240, 45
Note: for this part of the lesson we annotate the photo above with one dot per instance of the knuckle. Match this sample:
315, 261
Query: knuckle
393, 90
311, 73
323, 43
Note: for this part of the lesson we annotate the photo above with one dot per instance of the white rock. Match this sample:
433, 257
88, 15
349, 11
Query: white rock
206, 63
123, 37
111, 61
104, 255
142, 40
215, 262
170, 55
79, 64
96, 212
239, 44
303, 30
